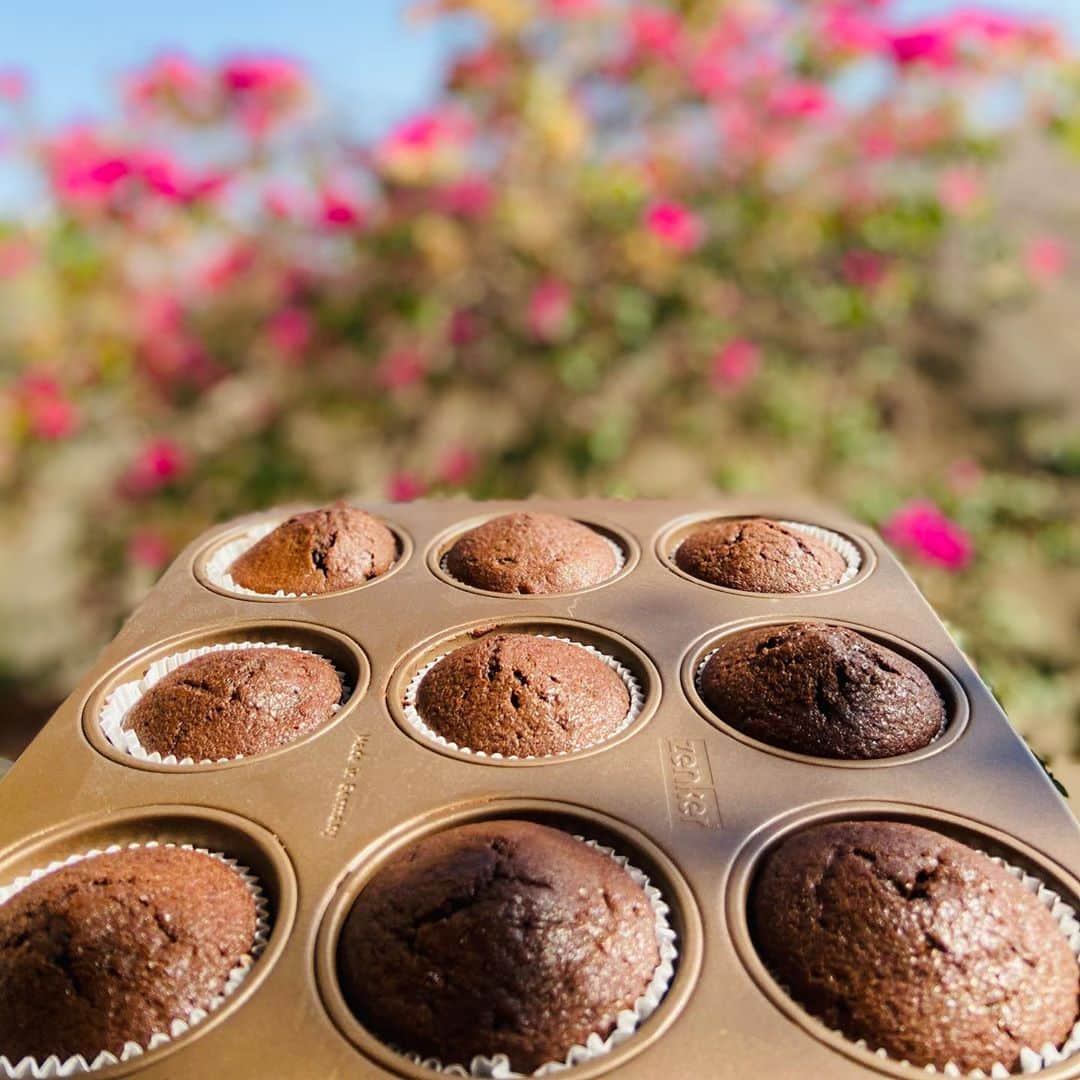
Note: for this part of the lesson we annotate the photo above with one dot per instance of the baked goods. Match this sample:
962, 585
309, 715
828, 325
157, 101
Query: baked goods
497, 937
823, 690
914, 942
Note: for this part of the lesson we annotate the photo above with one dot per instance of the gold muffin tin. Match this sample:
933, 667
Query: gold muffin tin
688, 799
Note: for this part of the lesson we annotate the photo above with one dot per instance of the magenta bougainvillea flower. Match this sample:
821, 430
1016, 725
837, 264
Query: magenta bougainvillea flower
404, 487
550, 310
159, 463
674, 225
735, 364
922, 530
1046, 258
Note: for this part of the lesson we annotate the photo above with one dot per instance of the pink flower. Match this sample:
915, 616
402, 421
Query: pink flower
735, 364
291, 332
922, 529
929, 42
165, 176
799, 99
468, 198
863, 268
571, 9
849, 31
149, 548
85, 171
50, 413
457, 465
550, 310
340, 211
13, 85
226, 266
159, 463
674, 225
400, 368
960, 189
262, 75
404, 487
656, 33
1046, 258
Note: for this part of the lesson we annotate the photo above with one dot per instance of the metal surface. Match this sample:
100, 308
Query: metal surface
686, 798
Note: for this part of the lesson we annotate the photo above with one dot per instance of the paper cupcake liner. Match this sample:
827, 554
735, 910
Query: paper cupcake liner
850, 553
616, 550
1031, 1060
121, 701
497, 1066
52, 1066
633, 688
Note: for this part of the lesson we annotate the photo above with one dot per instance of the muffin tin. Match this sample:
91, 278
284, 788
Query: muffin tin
687, 799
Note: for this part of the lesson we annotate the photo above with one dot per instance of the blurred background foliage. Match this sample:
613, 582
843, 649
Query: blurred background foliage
631, 250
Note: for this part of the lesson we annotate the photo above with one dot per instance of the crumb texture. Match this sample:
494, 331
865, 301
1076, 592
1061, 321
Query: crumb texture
823, 690
316, 552
235, 702
531, 553
759, 555
115, 947
519, 694
914, 942
499, 937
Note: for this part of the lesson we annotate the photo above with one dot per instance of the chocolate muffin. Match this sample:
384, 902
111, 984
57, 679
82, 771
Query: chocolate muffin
114, 948
524, 695
531, 553
498, 937
234, 703
316, 552
822, 690
759, 555
914, 942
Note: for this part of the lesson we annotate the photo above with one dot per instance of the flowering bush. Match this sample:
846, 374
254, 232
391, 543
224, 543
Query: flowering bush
631, 249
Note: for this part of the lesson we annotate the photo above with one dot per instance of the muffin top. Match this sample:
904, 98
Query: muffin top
759, 555
914, 942
316, 552
497, 937
822, 690
235, 702
523, 695
114, 948
530, 552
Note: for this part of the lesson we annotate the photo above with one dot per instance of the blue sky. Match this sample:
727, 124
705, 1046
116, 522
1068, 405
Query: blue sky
371, 66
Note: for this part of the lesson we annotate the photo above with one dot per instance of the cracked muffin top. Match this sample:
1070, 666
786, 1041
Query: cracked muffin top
316, 552
523, 695
115, 947
531, 553
823, 690
759, 555
914, 942
498, 937
234, 703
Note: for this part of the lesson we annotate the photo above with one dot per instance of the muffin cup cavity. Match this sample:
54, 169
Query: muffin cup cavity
123, 699
633, 688
213, 564
857, 558
633, 667
622, 548
53, 1066
1053, 888
949, 690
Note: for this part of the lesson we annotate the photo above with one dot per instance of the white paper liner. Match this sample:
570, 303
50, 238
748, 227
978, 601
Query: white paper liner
497, 1067
616, 550
120, 702
850, 553
633, 688
217, 566
52, 1066
1031, 1060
